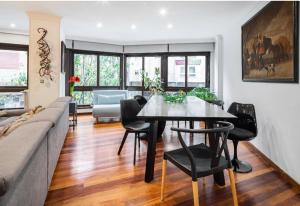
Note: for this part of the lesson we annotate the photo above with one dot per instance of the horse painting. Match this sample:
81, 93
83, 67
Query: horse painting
270, 44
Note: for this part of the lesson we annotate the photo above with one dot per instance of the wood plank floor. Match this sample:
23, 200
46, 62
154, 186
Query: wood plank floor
89, 172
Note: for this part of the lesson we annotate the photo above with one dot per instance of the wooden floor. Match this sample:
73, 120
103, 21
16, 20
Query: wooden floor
90, 172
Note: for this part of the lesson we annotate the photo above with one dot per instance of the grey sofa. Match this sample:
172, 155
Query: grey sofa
10, 116
29, 154
106, 103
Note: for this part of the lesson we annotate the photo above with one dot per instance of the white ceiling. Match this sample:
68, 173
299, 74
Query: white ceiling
190, 20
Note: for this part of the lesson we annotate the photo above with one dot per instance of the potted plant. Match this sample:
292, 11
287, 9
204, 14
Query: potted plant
154, 84
72, 81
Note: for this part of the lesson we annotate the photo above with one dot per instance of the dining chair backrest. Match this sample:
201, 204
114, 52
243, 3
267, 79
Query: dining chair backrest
246, 117
129, 110
141, 100
220, 130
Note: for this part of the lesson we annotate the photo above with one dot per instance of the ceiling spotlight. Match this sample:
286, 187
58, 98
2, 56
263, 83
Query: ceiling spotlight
12, 25
163, 12
170, 26
99, 25
133, 27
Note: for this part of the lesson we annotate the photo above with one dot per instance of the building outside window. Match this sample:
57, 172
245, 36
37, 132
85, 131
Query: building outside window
176, 71
13, 75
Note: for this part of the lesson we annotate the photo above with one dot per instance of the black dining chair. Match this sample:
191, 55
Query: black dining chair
161, 124
129, 109
200, 160
141, 100
245, 129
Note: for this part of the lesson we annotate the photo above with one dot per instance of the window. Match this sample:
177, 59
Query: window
13, 67
189, 71
196, 72
176, 71
152, 63
109, 70
134, 68
96, 71
192, 71
9, 100
83, 97
85, 66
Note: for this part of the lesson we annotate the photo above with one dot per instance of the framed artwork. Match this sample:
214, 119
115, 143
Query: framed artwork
63, 52
270, 44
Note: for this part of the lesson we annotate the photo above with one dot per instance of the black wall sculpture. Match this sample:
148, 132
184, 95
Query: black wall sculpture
44, 53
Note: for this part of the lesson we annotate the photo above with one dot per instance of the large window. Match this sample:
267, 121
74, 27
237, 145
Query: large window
96, 71
196, 71
109, 70
13, 67
105, 71
188, 71
135, 67
13, 75
85, 66
176, 71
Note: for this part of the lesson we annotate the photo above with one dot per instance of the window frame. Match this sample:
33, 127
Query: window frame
143, 55
186, 88
91, 88
123, 77
16, 47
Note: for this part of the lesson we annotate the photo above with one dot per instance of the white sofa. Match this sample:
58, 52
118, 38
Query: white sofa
106, 104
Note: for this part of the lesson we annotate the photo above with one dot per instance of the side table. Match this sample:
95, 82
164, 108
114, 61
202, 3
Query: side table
73, 113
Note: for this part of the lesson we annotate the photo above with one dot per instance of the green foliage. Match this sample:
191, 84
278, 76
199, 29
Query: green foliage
177, 97
83, 98
19, 80
154, 85
85, 66
203, 93
109, 71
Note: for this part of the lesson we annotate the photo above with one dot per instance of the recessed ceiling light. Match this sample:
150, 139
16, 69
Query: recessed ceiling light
133, 27
163, 12
12, 25
170, 26
99, 25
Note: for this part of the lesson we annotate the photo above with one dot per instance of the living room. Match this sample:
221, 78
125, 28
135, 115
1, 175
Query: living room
149, 103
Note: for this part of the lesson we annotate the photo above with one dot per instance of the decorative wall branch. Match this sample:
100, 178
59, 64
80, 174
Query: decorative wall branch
44, 52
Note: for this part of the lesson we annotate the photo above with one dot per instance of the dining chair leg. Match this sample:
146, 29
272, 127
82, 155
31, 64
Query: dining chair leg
177, 123
134, 155
139, 139
195, 193
122, 143
163, 179
233, 188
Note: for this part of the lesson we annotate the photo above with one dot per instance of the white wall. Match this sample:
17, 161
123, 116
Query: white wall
46, 92
277, 105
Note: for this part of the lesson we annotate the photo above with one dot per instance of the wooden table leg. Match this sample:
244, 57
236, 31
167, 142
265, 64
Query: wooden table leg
151, 151
214, 143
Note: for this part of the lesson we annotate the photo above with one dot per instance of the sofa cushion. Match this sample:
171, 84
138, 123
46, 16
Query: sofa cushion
49, 114
17, 149
61, 105
7, 121
110, 99
106, 110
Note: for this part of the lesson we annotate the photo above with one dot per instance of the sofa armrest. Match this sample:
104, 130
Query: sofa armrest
15, 112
